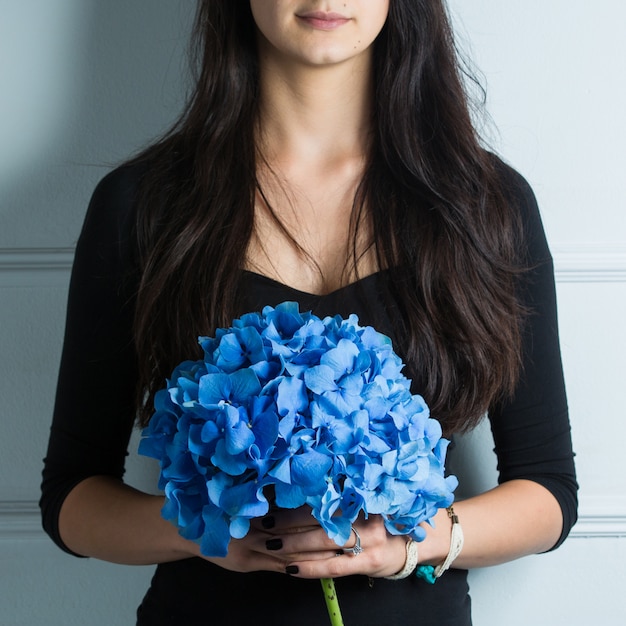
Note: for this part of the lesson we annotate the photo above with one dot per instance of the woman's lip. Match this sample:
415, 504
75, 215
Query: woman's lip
322, 20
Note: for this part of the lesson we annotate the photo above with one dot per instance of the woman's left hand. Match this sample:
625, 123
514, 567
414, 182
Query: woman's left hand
297, 538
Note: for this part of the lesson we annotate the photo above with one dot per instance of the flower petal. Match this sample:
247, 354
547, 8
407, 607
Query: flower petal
291, 396
320, 379
309, 470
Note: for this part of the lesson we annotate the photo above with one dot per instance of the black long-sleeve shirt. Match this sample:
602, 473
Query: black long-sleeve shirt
94, 416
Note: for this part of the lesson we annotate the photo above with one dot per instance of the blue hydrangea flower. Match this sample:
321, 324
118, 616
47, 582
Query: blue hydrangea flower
313, 411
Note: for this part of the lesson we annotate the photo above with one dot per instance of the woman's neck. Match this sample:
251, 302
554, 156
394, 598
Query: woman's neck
313, 135
314, 114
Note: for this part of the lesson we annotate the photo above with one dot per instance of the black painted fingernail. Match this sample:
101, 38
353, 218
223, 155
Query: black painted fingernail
274, 544
268, 522
339, 553
292, 569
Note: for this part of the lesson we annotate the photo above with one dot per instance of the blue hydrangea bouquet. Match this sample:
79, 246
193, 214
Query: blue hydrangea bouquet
314, 412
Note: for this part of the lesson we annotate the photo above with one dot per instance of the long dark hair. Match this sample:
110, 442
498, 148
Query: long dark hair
433, 196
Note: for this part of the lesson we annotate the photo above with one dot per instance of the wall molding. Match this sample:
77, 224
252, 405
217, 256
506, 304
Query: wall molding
35, 267
20, 520
589, 262
574, 263
600, 517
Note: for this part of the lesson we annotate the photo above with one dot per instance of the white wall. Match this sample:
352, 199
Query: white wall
557, 93
85, 82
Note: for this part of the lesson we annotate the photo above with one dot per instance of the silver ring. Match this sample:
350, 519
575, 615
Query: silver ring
356, 548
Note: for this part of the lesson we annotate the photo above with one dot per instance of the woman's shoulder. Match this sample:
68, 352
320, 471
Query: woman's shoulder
107, 240
521, 200
513, 184
113, 204
120, 186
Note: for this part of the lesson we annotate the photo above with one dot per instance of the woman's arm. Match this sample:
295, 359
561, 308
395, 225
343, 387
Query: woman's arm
105, 518
94, 408
86, 508
515, 519
102, 517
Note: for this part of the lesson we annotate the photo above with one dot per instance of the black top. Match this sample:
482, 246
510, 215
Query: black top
94, 416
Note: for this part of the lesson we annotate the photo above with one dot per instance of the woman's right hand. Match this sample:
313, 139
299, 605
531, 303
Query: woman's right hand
249, 554
262, 547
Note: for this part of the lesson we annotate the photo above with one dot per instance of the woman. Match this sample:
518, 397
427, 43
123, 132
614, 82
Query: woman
326, 156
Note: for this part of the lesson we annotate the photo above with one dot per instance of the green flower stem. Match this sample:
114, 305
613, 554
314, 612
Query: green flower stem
332, 602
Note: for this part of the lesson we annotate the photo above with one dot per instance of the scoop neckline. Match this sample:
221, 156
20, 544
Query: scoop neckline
277, 283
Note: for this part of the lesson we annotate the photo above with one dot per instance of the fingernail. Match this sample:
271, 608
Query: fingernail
292, 569
339, 553
268, 522
274, 544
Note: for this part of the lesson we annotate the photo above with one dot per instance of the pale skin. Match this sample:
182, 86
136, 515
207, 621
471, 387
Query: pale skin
315, 107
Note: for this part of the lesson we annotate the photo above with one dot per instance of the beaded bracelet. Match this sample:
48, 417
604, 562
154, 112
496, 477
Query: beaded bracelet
430, 573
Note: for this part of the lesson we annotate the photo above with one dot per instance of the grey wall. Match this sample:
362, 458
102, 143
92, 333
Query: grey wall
84, 83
